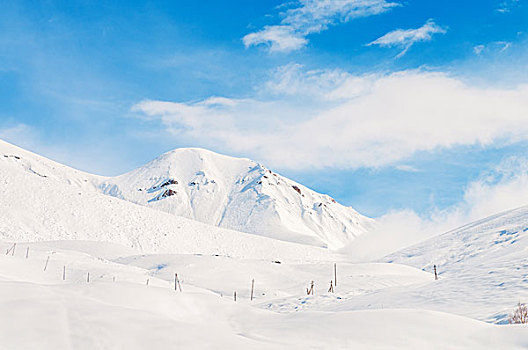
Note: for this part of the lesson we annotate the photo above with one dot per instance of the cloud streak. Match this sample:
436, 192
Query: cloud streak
507, 6
405, 38
303, 119
312, 16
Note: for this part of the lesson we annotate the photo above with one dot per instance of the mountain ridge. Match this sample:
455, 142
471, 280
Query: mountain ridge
224, 191
239, 194
45, 201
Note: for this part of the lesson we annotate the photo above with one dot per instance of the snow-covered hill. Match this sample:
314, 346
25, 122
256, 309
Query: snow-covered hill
43, 200
482, 266
228, 192
238, 194
482, 269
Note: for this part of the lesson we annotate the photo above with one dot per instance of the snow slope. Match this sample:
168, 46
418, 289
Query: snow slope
228, 192
238, 194
43, 200
116, 309
483, 268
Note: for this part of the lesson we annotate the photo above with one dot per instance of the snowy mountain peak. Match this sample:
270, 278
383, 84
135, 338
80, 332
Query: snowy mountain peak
229, 192
196, 161
239, 194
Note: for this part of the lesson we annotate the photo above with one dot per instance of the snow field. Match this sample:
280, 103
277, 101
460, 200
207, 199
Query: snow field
43, 311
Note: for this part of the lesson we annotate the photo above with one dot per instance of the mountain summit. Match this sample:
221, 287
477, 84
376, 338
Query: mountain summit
238, 194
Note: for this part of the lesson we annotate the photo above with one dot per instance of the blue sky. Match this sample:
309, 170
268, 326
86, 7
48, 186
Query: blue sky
385, 105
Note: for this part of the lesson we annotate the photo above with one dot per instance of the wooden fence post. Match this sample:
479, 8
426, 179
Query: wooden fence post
88, 278
335, 274
311, 290
234, 295
177, 283
11, 250
27, 252
46, 266
252, 288
64, 273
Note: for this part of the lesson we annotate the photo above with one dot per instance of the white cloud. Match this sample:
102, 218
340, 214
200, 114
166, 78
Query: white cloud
93, 157
18, 132
505, 45
293, 80
395, 230
405, 38
507, 6
312, 16
478, 49
407, 168
326, 118
492, 47
503, 188
279, 38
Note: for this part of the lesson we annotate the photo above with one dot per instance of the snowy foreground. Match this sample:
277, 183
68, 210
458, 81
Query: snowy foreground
116, 309
132, 248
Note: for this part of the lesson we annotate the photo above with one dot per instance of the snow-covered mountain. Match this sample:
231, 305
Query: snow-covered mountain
42, 200
231, 193
238, 194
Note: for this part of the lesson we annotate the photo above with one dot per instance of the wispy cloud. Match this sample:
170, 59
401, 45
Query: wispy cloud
507, 6
407, 168
279, 38
312, 16
478, 49
329, 118
21, 133
502, 188
505, 45
493, 47
405, 38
